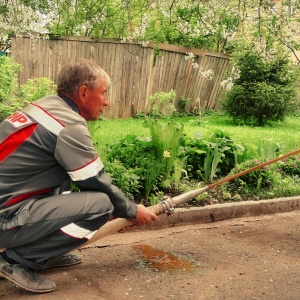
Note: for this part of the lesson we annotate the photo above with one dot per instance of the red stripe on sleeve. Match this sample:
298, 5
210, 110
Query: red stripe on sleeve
15, 140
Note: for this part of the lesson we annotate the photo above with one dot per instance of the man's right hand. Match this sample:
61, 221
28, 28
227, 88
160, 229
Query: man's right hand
143, 216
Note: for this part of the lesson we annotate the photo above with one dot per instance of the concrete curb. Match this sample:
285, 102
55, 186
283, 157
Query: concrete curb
218, 212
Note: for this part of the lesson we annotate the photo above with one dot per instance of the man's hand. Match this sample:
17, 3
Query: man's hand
143, 216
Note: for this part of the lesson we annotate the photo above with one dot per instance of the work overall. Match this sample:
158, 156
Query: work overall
42, 148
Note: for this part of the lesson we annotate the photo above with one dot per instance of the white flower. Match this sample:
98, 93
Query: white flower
189, 56
195, 65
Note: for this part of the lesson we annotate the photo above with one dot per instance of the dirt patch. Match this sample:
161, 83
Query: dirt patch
246, 258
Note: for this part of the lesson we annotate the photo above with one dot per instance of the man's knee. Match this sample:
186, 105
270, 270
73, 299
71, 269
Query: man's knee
102, 203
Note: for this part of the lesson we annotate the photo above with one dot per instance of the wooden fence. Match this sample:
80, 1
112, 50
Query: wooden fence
137, 72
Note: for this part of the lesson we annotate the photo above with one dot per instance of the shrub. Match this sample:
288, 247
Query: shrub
8, 79
262, 91
125, 152
35, 89
14, 97
162, 104
249, 183
211, 158
123, 178
290, 167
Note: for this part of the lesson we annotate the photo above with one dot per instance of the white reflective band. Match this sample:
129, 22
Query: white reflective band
77, 232
45, 119
90, 170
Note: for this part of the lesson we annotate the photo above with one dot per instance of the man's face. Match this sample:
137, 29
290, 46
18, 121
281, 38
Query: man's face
94, 101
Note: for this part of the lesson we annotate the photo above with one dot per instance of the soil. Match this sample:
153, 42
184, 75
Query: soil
246, 258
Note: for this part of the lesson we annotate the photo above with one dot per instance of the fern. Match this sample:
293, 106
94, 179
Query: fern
157, 138
179, 166
166, 139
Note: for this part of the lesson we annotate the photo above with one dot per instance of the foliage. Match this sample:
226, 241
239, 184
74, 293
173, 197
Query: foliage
17, 17
125, 150
290, 167
259, 179
8, 86
282, 187
124, 178
5, 111
263, 90
182, 102
213, 25
8, 78
198, 159
157, 157
35, 89
278, 180
245, 143
14, 96
162, 104
166, 141
211, 158
153, 177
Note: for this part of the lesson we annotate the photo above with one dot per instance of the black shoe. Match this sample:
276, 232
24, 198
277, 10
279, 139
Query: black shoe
65, 260
25, 277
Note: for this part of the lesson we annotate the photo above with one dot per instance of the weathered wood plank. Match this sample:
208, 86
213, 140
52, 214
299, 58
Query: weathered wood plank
134, 74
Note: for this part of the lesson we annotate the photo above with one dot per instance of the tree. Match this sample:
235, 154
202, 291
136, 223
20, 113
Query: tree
18, 18
214, 25
263, 89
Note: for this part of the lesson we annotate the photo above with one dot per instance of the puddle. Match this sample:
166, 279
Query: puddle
159, 260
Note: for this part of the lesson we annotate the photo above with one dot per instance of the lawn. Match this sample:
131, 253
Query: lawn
284, 134
262, 144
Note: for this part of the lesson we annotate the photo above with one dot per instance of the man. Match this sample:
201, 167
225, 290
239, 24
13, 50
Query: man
44, 147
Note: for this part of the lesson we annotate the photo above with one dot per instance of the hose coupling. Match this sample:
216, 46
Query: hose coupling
168, 205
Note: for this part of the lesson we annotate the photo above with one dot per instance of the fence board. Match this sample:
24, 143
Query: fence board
134, 73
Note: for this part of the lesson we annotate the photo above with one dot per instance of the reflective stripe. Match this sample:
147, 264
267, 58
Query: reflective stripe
75, 231
45, 119
87, 171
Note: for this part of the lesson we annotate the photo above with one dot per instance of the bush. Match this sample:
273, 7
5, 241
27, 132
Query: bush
8, 79
248, 184
14, 97
211, 158
35, 89
263, 91
290, 167
162, 104
126, 179
125, 152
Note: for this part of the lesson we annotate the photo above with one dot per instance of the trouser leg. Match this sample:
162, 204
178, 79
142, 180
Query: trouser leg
56, 225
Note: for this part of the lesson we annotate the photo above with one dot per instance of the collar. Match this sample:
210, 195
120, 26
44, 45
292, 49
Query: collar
71, 103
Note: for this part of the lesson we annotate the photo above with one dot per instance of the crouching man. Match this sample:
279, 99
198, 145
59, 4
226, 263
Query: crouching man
43, 148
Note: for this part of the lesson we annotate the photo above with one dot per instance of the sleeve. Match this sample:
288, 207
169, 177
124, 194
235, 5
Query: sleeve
77, 155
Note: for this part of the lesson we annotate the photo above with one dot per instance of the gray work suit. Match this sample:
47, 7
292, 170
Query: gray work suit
44, 147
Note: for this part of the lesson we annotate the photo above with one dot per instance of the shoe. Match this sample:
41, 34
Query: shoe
25, 277
65, 260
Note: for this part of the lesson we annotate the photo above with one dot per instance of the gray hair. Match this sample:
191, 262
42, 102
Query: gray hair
80, 72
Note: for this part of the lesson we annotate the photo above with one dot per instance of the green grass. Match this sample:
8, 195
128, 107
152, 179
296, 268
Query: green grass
263, 140
262, 143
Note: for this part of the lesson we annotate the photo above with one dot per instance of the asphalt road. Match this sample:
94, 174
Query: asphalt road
251, 257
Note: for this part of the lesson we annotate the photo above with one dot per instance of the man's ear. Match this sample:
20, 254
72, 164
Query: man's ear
82, 92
